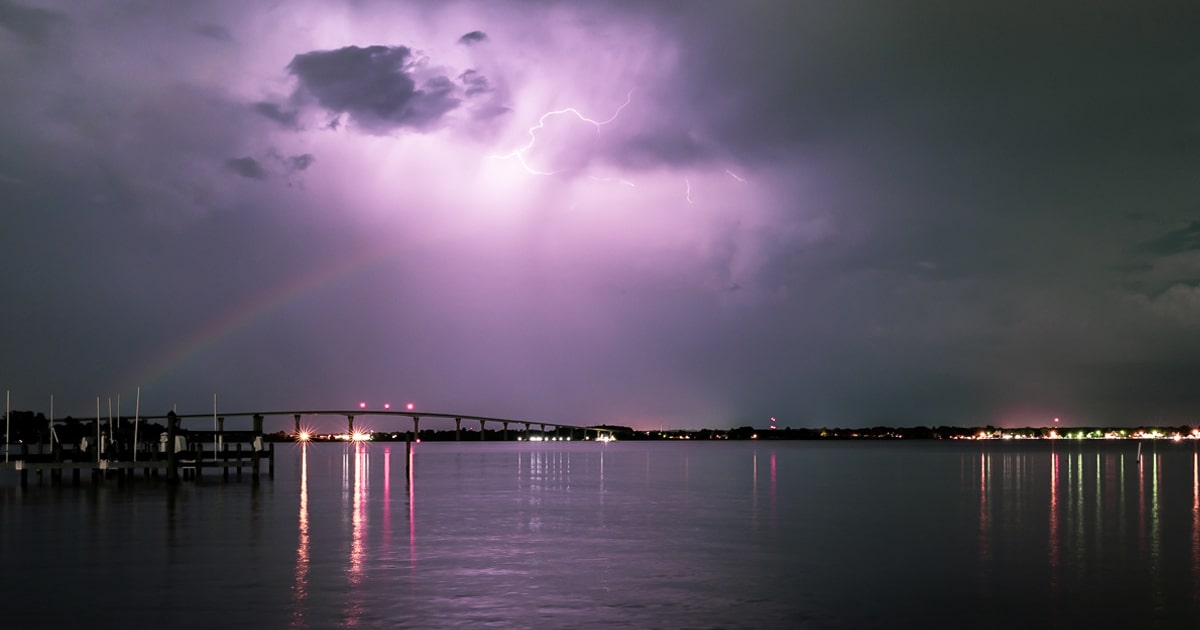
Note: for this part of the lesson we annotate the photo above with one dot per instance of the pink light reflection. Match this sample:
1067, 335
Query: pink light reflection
412, 518
387, 496
984, 548
1054, 548
772, 477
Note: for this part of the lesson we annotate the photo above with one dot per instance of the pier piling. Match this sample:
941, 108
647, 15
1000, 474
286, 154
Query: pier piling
255, 456
172, 457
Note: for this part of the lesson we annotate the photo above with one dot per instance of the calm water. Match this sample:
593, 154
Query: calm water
638, 535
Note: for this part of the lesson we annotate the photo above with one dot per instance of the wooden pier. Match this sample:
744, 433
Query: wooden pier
173, 456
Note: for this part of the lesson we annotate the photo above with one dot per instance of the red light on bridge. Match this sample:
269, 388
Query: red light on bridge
410, 406
387, 405
362, 405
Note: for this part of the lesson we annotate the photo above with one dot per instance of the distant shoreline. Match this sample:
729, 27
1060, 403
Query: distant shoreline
1171, 433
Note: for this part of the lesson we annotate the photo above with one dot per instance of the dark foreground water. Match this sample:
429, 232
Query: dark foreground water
636, 535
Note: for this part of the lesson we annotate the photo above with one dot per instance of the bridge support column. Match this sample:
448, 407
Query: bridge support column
505, 423
458, 429
350, 425
297, 418
528, 434
482, 430
417, 428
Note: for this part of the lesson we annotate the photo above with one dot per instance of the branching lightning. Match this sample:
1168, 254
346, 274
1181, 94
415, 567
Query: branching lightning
519, 152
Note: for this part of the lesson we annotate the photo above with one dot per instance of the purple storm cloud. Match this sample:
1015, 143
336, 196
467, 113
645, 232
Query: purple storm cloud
653, 213
376, 85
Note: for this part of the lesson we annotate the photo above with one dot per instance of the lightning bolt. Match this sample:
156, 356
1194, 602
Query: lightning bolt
612, 180
519, 152
735, 176
687, 190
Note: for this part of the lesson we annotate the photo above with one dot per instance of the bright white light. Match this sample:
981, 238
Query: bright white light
387, 405
362, 405
410, 406
359, 436
303, 436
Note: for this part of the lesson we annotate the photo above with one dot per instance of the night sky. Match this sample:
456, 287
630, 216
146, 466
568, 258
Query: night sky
689, 214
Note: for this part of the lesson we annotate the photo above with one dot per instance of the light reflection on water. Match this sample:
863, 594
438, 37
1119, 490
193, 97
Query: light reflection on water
1054, 550
1195, 527
748, 534
300, 588
1090, 497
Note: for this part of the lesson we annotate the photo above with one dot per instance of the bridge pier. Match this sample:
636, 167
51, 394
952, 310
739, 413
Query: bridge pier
505, 423
458, 429
297, 418
528, 434
417, 428
350, 425
482, 430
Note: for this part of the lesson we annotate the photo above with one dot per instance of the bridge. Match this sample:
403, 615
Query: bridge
415, 416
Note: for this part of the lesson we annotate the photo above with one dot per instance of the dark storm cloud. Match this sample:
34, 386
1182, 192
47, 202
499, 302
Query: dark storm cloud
287, 118
948, 77
377, 86
247, 167
474, 83
275, 164
474, 37
214, 32
1184, 239
35, 25
298, 163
